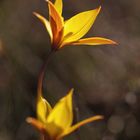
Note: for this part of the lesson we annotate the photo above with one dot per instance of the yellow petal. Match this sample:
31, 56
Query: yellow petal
59, 6
77, 26
45, 22
94, 41
43, 109
62, 115
76, 126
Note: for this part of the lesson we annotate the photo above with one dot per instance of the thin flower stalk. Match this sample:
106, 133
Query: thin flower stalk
42, 74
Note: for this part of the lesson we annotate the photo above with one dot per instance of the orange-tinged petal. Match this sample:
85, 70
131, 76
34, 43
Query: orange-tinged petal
45, 22
77, 26
37, 124
56, 22
43, 109
62, 115
76, 126
94, 41
59, 6
55, 19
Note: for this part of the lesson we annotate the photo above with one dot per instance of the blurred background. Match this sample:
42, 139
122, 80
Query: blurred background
106, 78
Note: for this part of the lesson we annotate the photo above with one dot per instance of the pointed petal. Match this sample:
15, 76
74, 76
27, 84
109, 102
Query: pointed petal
59, 6
55, 19
94, 41
76, 126
77, 26
56, 22
62, 115
37, 124
43, 109
45, 22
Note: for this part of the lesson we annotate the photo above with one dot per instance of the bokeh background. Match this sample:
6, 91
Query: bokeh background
106, 78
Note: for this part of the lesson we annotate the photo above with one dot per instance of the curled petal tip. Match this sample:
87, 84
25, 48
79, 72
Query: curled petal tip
34, 13
114, 43
100, 7
29, 120
111, 42
72, 90
100, 117
47, 1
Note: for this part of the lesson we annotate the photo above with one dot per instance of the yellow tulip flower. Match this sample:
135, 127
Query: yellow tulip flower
55, 123
71, 31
